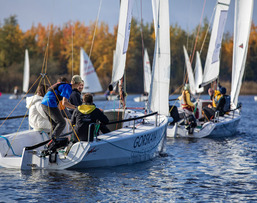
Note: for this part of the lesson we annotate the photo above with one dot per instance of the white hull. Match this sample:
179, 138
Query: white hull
255, 98
223, 127
122, 146
141, 98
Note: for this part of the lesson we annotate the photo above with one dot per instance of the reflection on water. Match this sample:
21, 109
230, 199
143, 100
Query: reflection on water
204, 170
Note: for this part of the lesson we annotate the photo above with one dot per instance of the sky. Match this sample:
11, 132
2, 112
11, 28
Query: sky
184, 13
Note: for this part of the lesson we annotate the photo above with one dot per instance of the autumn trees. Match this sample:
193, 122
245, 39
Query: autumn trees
63, 48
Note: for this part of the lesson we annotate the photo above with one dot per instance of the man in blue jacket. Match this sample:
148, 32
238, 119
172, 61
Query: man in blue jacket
59, 92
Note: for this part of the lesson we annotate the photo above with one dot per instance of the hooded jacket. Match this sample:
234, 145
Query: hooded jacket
37, 117
83, 116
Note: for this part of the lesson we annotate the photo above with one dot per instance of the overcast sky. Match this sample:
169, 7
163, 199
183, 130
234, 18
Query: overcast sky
185, 13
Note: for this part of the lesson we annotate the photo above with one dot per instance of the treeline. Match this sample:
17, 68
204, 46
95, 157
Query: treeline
58, 50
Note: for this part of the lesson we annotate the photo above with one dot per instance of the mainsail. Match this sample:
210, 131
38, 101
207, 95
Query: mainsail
122, 40
198, 74
242, 27
212, 64
159, 91
190, 74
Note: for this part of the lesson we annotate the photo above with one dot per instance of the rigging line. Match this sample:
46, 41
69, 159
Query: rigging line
142, 41
209, 25
23, 117
72, 43
96, 23
198, 32
17, 104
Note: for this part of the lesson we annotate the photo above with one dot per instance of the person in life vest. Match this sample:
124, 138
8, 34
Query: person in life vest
86, 114
186, 104
209, 112
59, 92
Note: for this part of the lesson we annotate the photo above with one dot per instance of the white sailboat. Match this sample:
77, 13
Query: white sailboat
139, 138
26, 73
88, 74
147, 79
224, 125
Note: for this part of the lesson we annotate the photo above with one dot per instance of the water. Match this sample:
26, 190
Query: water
194, 170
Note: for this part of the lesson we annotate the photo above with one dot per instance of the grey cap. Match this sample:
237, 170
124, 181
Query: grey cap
76, 79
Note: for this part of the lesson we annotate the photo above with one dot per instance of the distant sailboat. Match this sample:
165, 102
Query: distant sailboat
88, 74
25, 77
147, 79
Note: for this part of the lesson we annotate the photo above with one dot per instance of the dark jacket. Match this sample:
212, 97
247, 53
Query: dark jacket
75, 99
83, 116
220, 105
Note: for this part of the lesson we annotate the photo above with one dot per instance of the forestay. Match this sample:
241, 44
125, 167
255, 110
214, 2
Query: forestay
212, 64
242, 27
159, 91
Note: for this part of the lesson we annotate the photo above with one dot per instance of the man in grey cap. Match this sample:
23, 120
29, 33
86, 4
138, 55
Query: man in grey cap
59, 92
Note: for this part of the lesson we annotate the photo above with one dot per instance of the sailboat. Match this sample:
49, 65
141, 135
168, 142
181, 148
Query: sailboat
225, 125
89, 76
147, 79
25, 86
134, 137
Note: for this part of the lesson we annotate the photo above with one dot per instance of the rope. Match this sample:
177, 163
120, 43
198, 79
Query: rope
10, 146
198, 32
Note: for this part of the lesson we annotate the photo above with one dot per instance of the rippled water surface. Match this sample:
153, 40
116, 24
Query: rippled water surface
194, 170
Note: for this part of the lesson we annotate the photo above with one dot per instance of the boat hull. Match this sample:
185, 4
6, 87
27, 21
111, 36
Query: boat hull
223, 127
126, 145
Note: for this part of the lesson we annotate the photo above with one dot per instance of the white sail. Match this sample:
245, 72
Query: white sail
147, 72
198, 74
88, 74
212, 64
242, 27
26, 72
122, 40
159, 91
190, 74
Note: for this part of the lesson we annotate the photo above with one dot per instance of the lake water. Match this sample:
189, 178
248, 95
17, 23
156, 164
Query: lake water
194, 170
